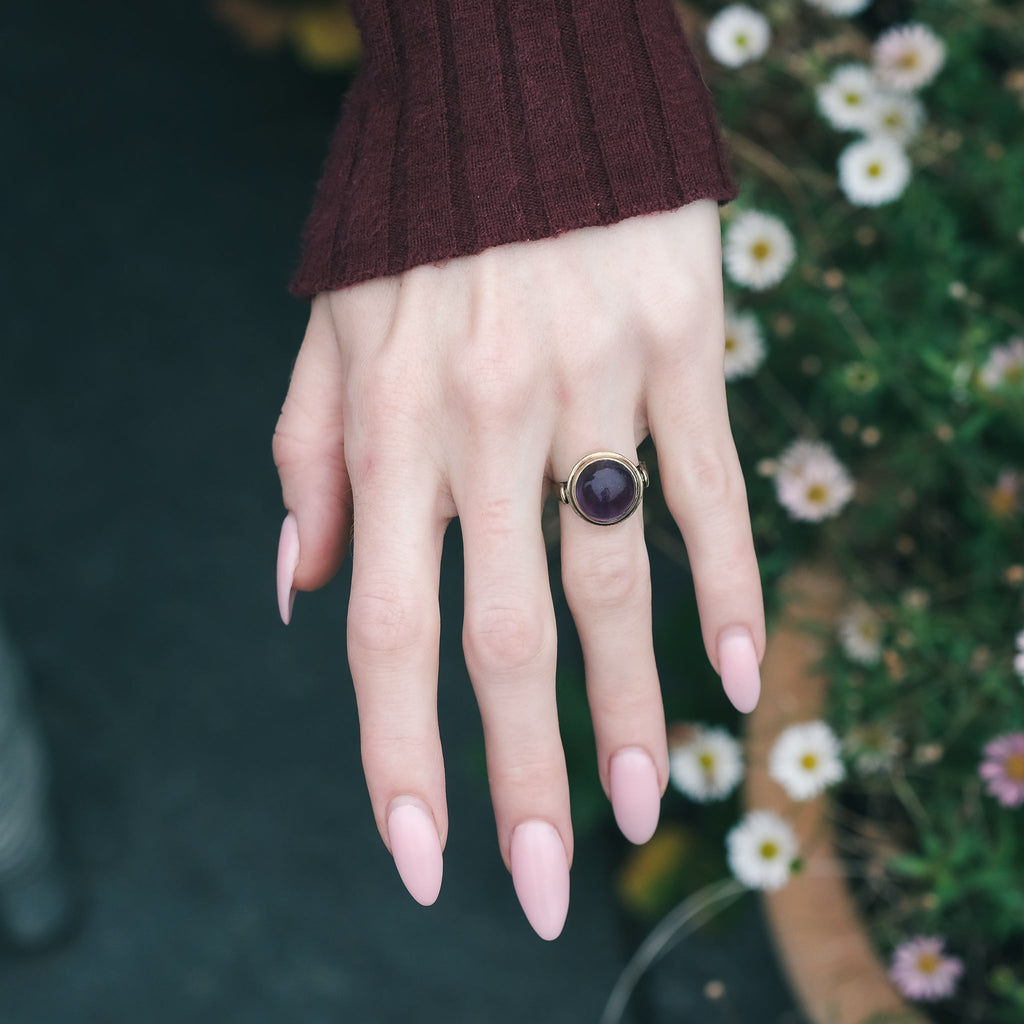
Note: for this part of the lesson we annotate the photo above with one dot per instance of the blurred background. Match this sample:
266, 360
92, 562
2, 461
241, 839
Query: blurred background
216, 846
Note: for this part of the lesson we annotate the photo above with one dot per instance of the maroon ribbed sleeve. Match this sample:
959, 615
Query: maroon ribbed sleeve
473, 123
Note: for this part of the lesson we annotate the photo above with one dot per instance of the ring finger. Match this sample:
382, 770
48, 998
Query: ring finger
606, 575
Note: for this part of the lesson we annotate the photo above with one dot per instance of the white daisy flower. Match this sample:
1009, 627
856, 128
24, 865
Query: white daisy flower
874, 749
706, 765
744, 344
761, 850
895, 115
805, 760
908, 57
811, 483
840, 8
758, 250
737, 34
1005, 365
846, 99
1018, 659
873, 172
860, 634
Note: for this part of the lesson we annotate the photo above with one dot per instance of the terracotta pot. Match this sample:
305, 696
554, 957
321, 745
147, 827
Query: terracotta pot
821, 942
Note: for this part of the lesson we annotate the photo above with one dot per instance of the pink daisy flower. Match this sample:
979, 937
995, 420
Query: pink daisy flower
1003, 769
920, 970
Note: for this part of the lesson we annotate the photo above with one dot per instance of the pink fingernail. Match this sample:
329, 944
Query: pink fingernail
635, 793
540, 874
287, 560
738, 667
417, 851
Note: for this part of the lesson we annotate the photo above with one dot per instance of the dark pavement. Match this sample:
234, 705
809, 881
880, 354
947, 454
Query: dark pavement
206, 766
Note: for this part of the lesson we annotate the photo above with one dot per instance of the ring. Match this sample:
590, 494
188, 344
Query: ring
605, 488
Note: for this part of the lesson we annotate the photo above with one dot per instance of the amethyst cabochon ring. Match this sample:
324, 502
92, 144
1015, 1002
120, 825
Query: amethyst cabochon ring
604, 488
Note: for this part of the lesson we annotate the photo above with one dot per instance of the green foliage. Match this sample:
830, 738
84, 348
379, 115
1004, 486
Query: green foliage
878, 341
896, 338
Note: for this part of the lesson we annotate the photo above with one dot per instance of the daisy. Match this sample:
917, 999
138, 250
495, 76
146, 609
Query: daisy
758, 250
1003, 769
908, 57
920, 970
811, 483
737, 35
840, 8
706, 765
897, 116
1018, 660
1005, 365
846, 99
805, 760
860, 635
1004, 499
744, 344
761, 850
874, 749
873, 171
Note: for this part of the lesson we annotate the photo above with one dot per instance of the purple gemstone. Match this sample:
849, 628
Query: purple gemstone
605, 491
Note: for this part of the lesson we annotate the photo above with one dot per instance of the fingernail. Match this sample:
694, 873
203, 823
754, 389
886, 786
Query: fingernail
287, 560
738, 667
417, 851
635, 793
540, 874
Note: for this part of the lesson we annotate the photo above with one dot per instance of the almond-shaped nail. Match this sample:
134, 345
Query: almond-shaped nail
287, 560
635, 794
739, 669
417, 851
540, 874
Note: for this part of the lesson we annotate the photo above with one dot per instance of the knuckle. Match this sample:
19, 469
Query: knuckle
493, 380
502, 638
533, 771
675, 313
711, 477
386, 395
612, 580
384, 618
284, 446
294, 448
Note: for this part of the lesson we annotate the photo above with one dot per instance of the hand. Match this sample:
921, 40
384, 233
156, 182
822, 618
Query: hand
469, 389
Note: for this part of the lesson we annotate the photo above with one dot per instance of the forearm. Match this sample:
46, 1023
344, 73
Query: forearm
475, 123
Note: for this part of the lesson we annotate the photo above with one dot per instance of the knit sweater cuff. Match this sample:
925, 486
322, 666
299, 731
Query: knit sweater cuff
473, 123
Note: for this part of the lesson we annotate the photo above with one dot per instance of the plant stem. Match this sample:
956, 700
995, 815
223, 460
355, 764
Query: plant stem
676, 925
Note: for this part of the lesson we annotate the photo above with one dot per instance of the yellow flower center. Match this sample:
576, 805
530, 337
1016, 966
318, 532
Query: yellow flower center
908, 61
741, 40
928, 963
1014, 767
875, 170
769, 850
853, 99
809, 761
730, 343
707, 762
760, 250
817, 494
1002, 502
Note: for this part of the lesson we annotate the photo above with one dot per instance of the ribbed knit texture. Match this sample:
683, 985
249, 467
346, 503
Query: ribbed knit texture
474, 123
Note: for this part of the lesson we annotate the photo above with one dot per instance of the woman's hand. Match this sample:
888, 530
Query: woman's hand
470, 389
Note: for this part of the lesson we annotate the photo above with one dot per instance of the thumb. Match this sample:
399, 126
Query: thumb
309, 452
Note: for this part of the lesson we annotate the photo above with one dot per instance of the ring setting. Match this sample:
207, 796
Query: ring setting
604, 488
